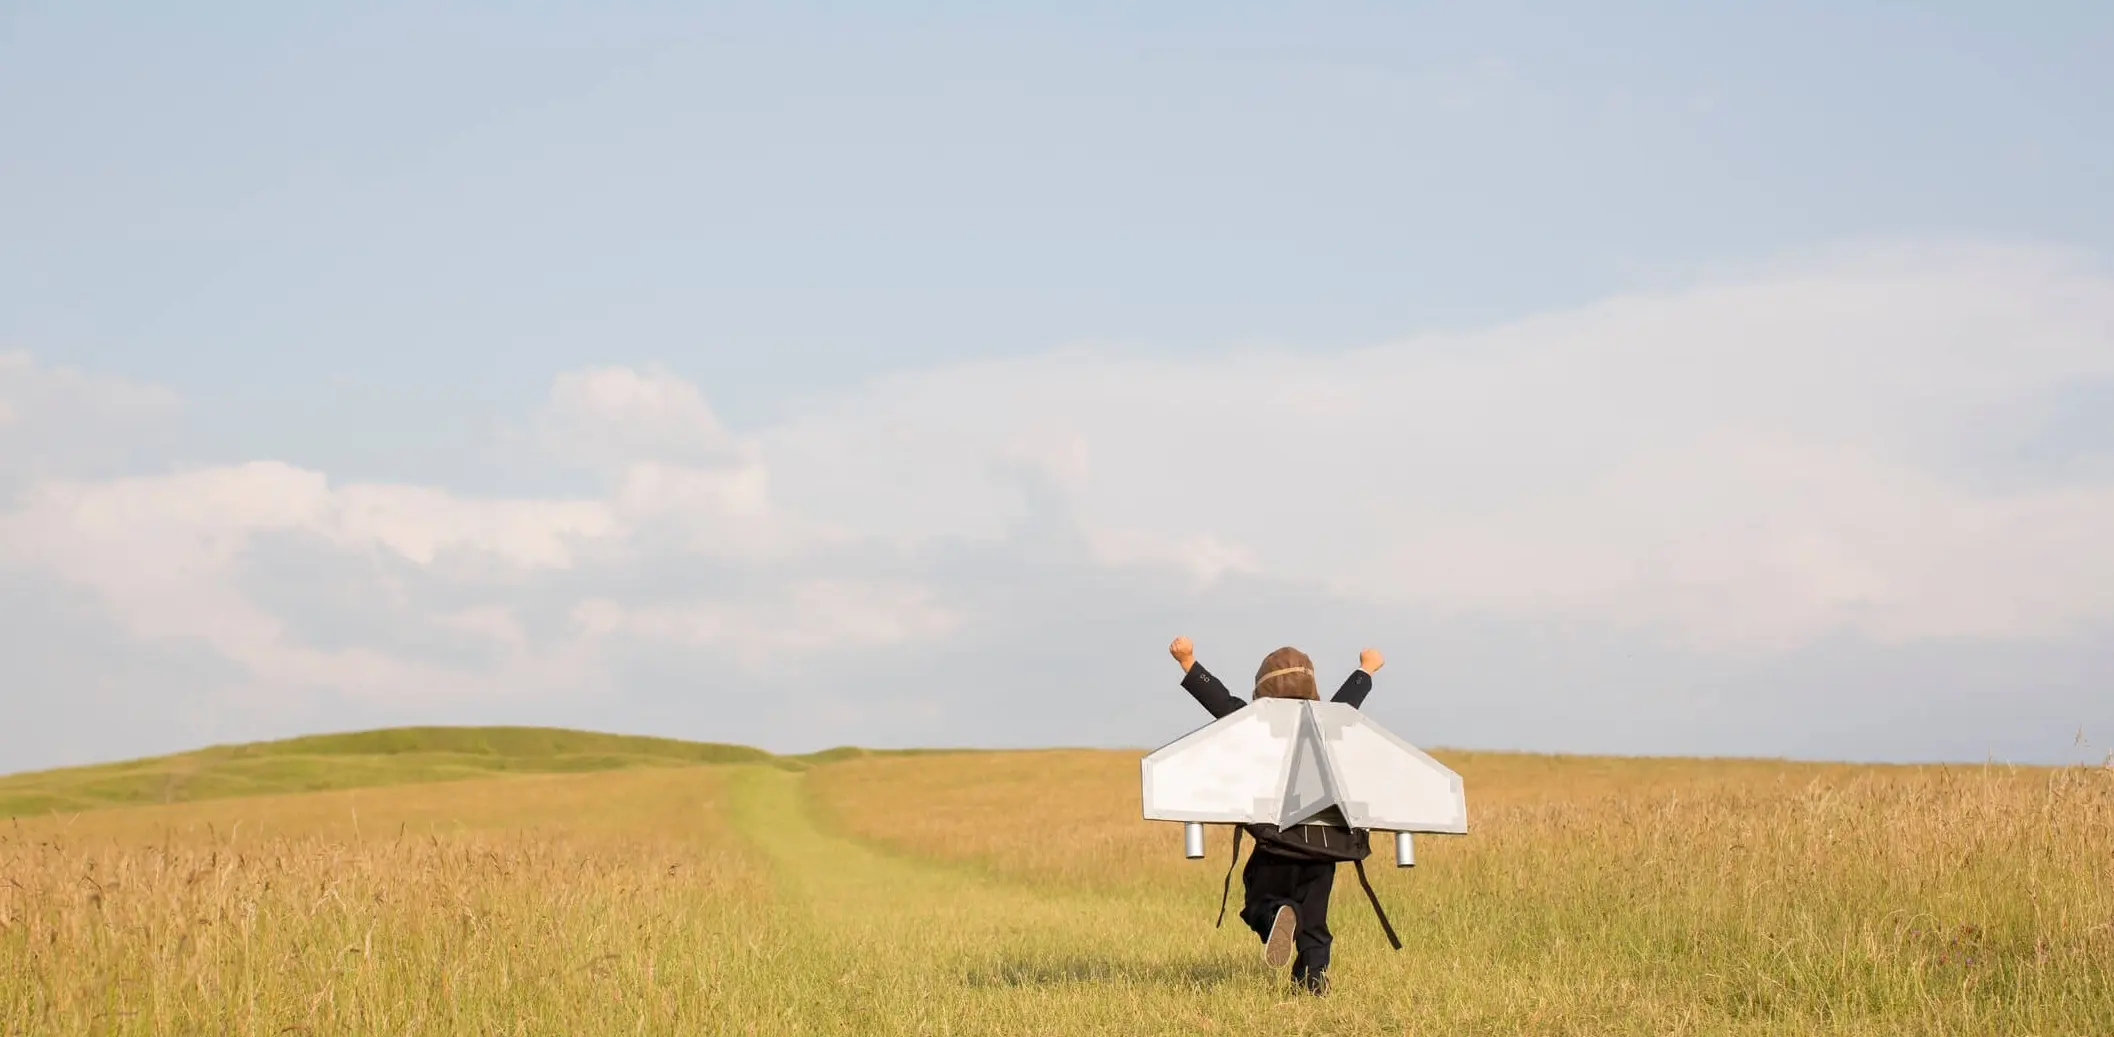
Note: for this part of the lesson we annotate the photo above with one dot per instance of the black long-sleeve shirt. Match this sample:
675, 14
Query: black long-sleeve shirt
1211, 693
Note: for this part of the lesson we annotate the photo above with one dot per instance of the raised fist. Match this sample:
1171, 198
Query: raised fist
1370, 661
1183, 652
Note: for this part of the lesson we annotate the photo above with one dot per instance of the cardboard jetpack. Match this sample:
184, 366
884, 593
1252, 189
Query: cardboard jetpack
1287, 762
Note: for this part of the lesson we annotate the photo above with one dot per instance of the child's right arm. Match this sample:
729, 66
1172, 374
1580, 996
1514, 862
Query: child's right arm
1198, 682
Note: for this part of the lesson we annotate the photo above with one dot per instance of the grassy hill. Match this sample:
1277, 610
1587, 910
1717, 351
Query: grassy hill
364, 759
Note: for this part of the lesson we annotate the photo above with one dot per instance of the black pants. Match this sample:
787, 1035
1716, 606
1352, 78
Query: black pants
1271, 882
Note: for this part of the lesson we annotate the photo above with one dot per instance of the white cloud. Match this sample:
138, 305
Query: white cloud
597, 616
195, 522
494, 622
786, 626
1749, 465
420, 523
57, 421
164, 555
680, 481
617, 415
31, 390
1204, 557
719, 512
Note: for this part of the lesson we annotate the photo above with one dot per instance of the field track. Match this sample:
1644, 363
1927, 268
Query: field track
930, 942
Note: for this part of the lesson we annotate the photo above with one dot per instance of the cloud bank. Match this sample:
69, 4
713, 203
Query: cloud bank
1854, 505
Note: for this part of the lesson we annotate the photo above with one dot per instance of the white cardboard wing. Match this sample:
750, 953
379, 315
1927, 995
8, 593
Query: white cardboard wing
1287, 761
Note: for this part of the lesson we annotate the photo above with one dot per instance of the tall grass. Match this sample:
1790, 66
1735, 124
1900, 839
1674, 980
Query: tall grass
1808, 897
382, 918
1019, 893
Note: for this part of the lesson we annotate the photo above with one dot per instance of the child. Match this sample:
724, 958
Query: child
1289, 876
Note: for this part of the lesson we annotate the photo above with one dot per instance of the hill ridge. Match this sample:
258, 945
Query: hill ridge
368, 759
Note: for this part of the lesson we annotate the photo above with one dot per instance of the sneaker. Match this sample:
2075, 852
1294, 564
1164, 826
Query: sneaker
1316, 983
1277, 948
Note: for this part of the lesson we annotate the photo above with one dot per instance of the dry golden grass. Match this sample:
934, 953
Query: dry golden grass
1634, 895
1085, 825
534, 905
1018, 893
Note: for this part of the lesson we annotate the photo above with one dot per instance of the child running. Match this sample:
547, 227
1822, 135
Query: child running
1292, 870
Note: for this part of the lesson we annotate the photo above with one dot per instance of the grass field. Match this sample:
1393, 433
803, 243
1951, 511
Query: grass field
916, 895
366, 759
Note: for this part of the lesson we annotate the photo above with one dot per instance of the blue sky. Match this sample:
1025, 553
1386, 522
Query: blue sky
1639, 378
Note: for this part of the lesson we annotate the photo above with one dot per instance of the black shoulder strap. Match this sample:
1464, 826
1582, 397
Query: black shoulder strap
1227, 889
1369, 895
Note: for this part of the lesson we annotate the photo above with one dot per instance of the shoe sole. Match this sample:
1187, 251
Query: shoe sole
1277, 950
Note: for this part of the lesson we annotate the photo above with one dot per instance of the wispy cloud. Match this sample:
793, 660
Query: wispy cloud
1747, 467
1752, 464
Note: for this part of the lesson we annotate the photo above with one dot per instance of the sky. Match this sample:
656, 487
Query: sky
1655, 379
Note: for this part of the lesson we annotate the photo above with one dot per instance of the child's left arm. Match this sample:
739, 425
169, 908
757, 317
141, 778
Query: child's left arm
1360, 683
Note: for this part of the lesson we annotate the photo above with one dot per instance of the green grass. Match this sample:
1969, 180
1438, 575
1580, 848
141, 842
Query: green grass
368, 759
